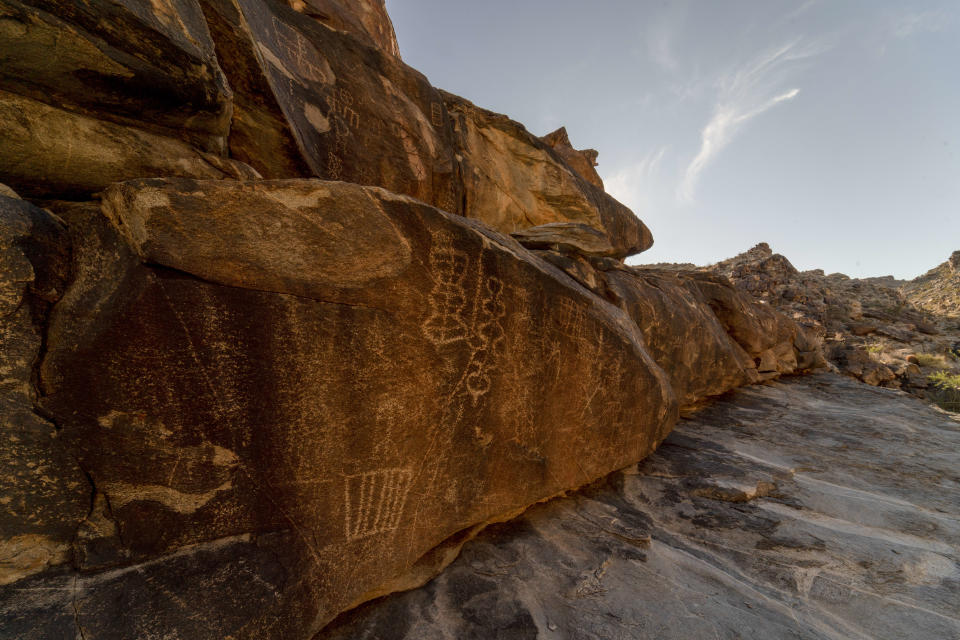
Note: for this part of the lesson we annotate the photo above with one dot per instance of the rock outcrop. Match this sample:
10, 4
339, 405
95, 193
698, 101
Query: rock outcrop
789, 511
269, 348
881, 331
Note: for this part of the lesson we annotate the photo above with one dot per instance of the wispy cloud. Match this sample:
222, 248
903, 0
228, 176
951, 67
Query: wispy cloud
635, 185
910, 23
743, 94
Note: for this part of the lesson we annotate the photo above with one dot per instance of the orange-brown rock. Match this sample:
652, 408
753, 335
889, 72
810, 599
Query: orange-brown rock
583, 162
514, 180
97, 92
313, 101
366, 20
683, 333
303, 388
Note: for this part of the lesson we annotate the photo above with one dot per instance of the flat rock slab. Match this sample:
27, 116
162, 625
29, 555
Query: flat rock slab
814, 508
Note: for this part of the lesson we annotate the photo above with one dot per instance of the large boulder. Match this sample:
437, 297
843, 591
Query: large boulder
47, 152
307, 394
798, 510
514, 180
147, 64
683, 333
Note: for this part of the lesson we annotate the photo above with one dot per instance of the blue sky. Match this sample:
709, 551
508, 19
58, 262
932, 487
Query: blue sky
828, 128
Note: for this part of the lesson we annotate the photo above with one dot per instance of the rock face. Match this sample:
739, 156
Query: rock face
349, 373
786, 511
99, 92
366, 20
583, 162
45, 496
269, 351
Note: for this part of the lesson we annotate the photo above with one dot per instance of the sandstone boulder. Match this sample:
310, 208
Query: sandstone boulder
145, 64
104, 91
50, 152
683, 333
307, 394
514, 180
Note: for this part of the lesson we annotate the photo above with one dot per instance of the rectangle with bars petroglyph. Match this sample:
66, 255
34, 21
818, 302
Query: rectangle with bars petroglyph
374, 501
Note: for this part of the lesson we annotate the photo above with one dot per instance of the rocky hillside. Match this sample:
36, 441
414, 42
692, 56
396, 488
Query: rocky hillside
283, 326
882, 331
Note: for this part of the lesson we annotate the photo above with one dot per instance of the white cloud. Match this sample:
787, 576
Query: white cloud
635, 185
744, 93
907, 24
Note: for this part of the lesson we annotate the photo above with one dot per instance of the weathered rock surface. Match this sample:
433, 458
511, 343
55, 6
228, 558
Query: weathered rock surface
303, 389
881, 331
312, 101
583, 162
98, 92
938, 290
363, 19
44, 495
514, 180
145, 64
817, 508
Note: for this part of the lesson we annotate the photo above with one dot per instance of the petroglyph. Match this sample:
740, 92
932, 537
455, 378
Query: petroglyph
122, 493
315, 116
436, 114
340, 102
570, 319
303, 61
446, 323
374, 501
334, 166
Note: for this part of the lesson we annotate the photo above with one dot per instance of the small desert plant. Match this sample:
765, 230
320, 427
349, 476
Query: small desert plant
945, 380
932, 360
946, 389
875, 347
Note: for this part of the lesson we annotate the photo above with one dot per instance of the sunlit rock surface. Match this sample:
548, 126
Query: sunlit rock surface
814, 508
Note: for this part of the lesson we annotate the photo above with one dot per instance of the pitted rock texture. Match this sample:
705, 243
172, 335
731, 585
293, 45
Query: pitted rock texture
44, 495
818, 508
317, 387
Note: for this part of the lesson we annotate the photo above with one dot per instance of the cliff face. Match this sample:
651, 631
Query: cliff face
283, 325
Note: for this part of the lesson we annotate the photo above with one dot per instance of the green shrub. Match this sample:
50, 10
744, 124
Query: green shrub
946, 392
932, 360
945, 380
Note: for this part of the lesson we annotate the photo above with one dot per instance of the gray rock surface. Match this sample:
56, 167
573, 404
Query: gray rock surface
814, 508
